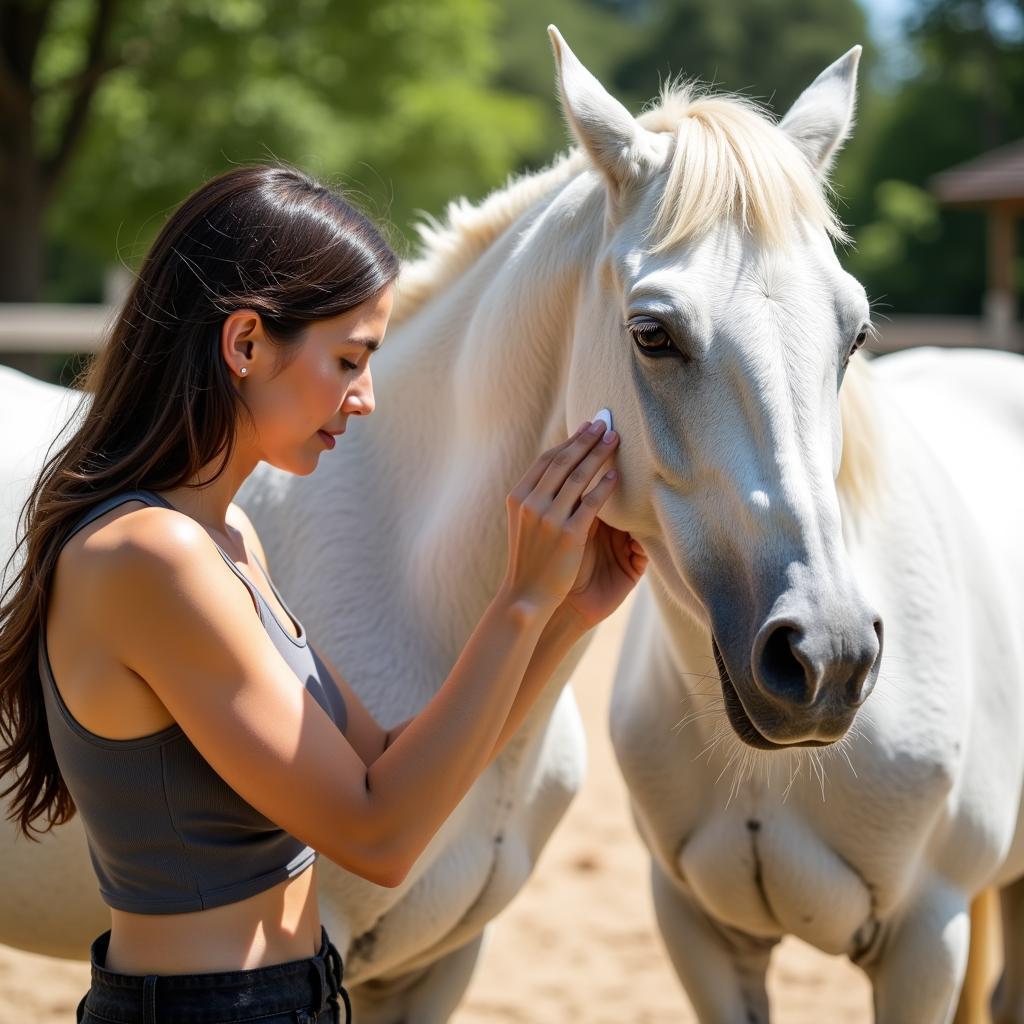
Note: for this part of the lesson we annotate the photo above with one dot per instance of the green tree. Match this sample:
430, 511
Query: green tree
600, 33
769, 50
110, 112
965, 96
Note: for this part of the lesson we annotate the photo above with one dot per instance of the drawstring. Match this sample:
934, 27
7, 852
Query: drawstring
335, 975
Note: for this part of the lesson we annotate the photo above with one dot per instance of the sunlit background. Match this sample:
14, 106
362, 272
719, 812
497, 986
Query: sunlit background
111, 111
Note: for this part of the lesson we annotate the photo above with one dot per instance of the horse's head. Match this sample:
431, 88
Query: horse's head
717, 325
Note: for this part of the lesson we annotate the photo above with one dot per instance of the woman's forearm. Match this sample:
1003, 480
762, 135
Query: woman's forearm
426, 769
563, 631
561, 634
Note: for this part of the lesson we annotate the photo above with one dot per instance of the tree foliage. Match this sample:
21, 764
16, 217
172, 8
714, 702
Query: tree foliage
768, 49
390, 98
111, 112
965, 96
601, 33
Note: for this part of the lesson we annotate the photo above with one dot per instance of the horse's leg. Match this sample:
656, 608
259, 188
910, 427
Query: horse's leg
724, 977
427, 996
918, 975
973, 1007
1008, 1004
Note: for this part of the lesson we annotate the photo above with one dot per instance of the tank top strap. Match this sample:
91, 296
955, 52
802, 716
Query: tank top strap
254, 591
148, 497
121, 498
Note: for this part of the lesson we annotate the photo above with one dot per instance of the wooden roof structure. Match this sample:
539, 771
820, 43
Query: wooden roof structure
993, 177
994, 182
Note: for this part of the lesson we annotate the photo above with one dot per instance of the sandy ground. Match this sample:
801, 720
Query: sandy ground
579, 943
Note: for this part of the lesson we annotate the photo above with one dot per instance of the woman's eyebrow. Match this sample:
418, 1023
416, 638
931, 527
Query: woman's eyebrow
371, 343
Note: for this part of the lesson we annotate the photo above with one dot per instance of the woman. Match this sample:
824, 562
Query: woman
138, 687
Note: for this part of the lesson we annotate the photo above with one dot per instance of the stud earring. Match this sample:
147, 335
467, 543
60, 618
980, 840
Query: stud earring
244, 370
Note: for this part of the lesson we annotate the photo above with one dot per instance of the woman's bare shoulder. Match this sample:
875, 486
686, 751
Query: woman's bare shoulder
150, 578
132, 547
135, 531
137, 574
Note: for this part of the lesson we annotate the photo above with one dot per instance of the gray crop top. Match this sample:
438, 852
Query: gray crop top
166, 834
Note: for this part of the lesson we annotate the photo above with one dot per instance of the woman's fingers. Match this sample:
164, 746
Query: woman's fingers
552, 514
638, 560
583, 475
592, 502
543, 461
566, 462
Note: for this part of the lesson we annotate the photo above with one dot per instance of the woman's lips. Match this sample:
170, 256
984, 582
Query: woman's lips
327, 439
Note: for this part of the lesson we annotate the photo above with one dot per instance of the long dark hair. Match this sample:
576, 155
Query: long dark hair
264, 237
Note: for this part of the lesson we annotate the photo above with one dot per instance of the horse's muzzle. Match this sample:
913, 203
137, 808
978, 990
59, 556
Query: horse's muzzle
802, 688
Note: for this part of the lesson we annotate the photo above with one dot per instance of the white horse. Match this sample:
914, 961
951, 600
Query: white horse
785, 525
724, 384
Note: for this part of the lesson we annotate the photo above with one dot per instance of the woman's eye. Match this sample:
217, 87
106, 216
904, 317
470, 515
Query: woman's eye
650, 337
349, 365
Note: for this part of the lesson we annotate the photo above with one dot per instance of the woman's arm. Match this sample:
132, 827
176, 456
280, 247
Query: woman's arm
185, 625
563, 630
366, 735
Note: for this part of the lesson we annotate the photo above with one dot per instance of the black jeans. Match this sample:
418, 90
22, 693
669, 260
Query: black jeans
297, 992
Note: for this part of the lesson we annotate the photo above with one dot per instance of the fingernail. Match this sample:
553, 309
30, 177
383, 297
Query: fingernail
584, 426
596, 428
608, 437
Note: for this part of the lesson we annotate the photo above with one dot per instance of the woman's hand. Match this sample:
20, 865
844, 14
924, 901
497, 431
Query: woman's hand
550, 519
613, 563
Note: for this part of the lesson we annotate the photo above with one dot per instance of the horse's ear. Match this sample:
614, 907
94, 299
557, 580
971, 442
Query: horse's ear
821, 120
600, 123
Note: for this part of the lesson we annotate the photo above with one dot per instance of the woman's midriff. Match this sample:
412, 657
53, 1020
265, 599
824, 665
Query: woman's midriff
274, 926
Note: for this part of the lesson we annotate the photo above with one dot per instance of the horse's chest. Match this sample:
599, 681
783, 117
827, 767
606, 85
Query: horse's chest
480, 859
770, 875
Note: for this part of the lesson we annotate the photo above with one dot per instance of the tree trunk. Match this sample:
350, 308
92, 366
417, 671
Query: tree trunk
22, 209
28, 180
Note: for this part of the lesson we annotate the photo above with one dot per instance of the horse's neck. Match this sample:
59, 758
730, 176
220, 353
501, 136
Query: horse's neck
477, 381
688, 644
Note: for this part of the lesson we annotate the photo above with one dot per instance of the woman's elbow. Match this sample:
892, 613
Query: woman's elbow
384, 867
389, 876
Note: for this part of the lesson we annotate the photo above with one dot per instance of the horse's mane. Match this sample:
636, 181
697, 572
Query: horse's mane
448, 248
859, 470
729, 160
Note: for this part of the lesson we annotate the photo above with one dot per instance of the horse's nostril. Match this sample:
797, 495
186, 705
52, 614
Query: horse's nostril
861, 682
781, 672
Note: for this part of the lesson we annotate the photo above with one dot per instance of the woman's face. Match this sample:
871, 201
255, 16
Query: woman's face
327, 381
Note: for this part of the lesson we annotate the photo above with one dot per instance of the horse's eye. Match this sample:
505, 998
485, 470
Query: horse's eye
858, 343
651, 337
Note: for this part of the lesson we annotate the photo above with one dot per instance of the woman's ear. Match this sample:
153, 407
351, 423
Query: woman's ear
238, 335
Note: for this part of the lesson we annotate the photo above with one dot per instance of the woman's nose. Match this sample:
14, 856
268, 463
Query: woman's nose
360, 401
